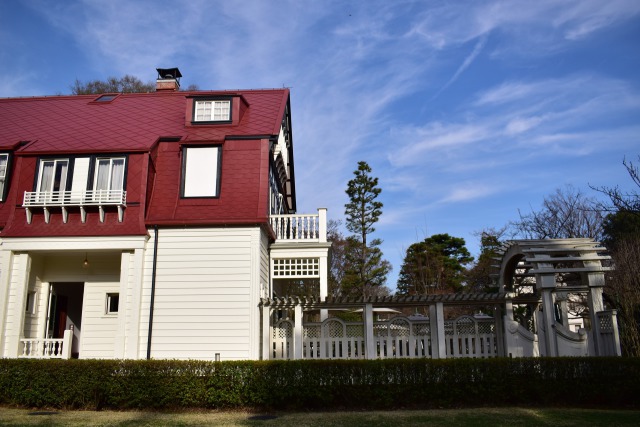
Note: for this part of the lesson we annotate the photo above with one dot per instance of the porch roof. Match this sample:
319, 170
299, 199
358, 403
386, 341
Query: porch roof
399, 301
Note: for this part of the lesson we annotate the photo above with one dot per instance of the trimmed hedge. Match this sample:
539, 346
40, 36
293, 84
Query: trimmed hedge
325, 384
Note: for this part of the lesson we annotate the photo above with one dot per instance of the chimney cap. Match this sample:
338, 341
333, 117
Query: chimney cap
168, 73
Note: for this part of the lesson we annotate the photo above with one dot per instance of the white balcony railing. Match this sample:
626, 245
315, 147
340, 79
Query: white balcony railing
300, 227
74, 198
65, 199
47, 348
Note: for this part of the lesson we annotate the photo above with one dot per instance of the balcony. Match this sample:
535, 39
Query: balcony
81, 199
307, 228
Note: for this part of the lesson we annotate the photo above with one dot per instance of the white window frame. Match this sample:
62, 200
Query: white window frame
201, 171
109, 174
63, 183
30, 306
219, 110
4, 158
108, 300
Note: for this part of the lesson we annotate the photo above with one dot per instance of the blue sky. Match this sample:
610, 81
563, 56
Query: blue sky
466, 110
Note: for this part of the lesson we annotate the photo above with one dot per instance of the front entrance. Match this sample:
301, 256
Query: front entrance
65, 312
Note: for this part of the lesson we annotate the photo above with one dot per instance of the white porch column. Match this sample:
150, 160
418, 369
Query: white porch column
438, 341
324, 284
119, 344
297, 332
368, 332
21, 266
322, 225
132, 343
547, 283
266, 331
6, 258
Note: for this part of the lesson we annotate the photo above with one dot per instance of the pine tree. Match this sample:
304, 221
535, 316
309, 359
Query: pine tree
366, 271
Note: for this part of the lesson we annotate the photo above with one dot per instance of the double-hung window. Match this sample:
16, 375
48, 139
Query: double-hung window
212, 110
4, 163
108, 181
201, 171
52, 178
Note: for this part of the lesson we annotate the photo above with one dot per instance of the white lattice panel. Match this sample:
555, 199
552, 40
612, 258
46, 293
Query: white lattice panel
296, 267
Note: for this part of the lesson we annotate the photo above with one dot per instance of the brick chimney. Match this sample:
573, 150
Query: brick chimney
168, 79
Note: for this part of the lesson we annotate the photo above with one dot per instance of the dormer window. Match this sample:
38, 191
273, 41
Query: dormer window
212, 111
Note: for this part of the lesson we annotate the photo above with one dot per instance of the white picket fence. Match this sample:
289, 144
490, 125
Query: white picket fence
399, 337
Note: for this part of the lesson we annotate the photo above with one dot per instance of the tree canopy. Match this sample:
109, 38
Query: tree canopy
435, 265
126, 84
565, 214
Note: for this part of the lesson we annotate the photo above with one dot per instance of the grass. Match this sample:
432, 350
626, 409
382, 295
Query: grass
513, 417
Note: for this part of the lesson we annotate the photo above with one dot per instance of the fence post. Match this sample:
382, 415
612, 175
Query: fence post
297, 332
266, 331
368, 331
438, 343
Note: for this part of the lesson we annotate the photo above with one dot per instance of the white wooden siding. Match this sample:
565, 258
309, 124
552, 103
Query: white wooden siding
98, 328
35, 322
206, 282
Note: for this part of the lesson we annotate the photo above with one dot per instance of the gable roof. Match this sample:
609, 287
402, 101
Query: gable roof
128, 123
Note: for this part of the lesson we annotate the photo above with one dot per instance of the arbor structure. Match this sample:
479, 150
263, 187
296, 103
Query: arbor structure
435, 265
366, 270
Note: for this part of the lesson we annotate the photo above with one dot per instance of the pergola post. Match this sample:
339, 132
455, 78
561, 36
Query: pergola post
438, 341
368, 330
297, 332
266, 331
547, 283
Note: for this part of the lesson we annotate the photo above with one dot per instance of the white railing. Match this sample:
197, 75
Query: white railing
333, 339
74, 198
400, 337
300, 227
47, 348
470, 337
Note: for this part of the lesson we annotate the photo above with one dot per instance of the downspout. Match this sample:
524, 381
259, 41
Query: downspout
153, 289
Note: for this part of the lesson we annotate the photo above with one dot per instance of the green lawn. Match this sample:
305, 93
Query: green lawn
461, 417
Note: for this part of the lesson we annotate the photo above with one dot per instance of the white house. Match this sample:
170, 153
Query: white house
148, 225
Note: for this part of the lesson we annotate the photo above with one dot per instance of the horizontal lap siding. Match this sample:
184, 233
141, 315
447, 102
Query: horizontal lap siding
203, 293
12, 298
98, 329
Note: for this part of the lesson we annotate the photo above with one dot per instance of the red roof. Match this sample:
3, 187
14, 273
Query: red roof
131, 122
137, 124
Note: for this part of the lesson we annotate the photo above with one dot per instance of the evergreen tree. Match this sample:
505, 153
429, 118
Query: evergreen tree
435, 265
366, 271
